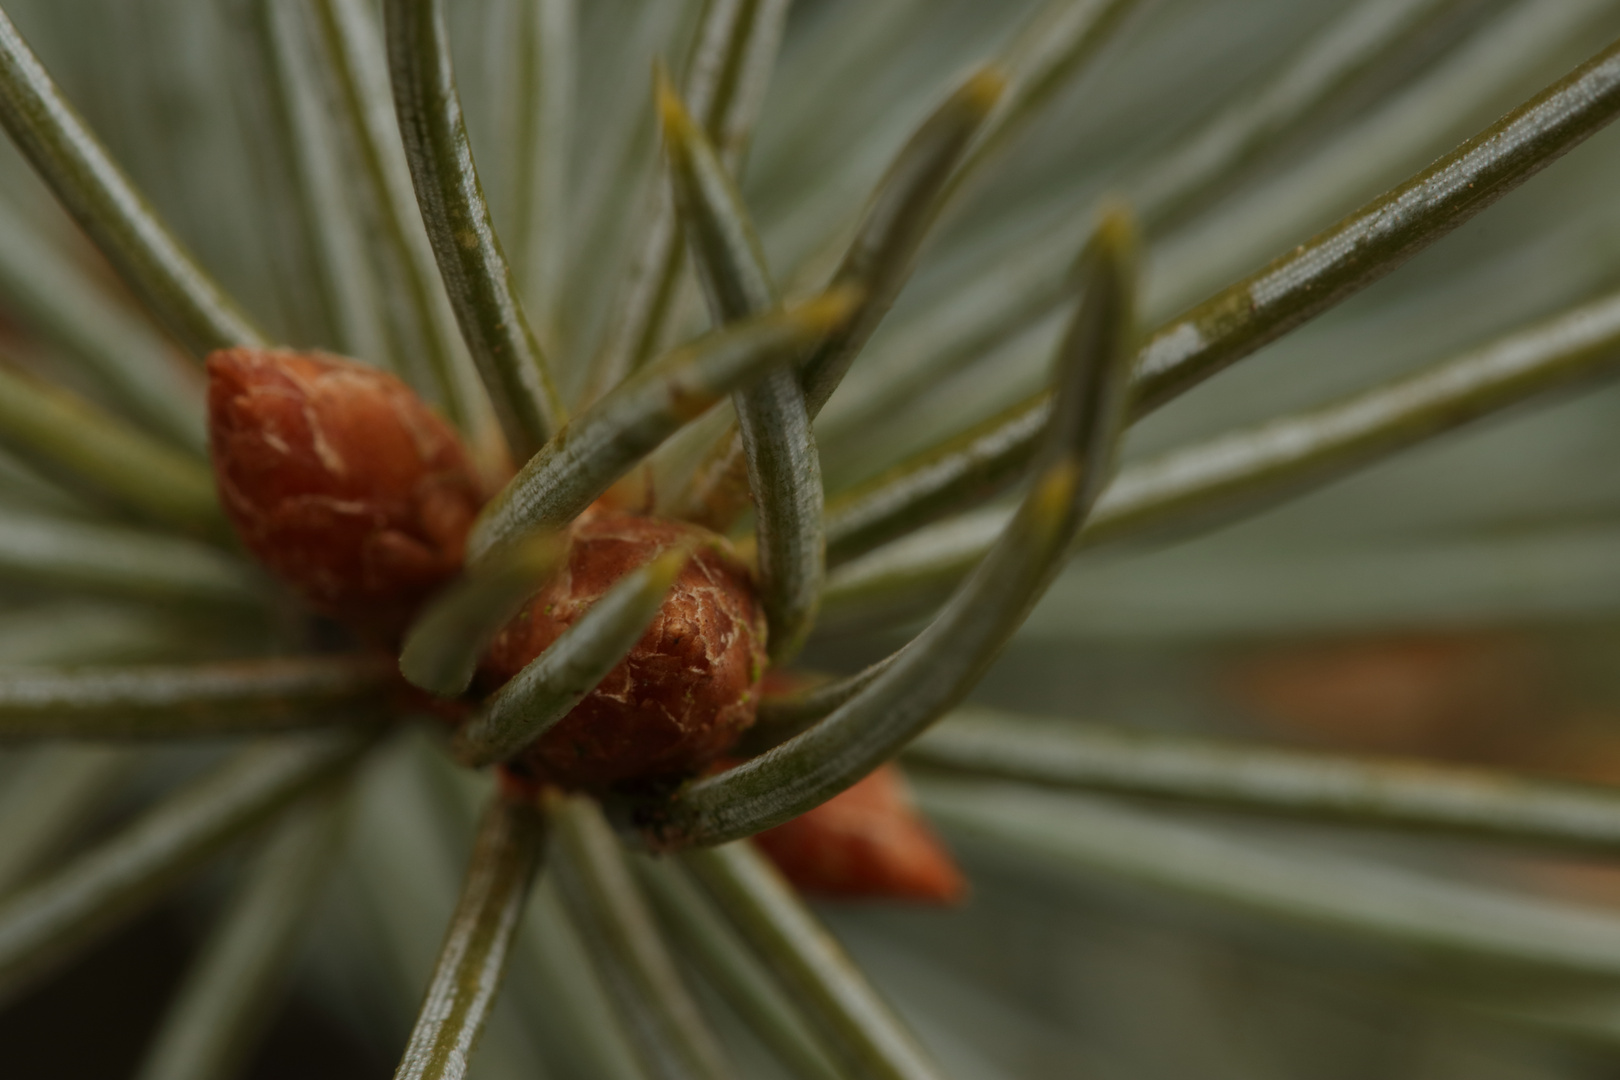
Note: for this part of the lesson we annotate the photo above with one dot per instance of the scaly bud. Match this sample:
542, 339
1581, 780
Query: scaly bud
867, 843
340, 480
682, 695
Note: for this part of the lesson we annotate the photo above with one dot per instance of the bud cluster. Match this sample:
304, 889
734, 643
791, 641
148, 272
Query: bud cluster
355, 493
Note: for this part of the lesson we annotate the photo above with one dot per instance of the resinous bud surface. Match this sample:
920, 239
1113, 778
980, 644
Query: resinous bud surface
867, 843
683, 694
341, 480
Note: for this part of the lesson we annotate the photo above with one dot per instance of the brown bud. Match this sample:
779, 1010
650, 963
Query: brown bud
869, 843
340, 480
681, 696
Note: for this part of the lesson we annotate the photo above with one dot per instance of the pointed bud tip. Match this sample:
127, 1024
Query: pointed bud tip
831, 309
984, 88
672, 114
1116, 234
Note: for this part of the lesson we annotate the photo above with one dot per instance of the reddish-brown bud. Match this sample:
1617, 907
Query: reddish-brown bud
867, 843
340, 480
681, 696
